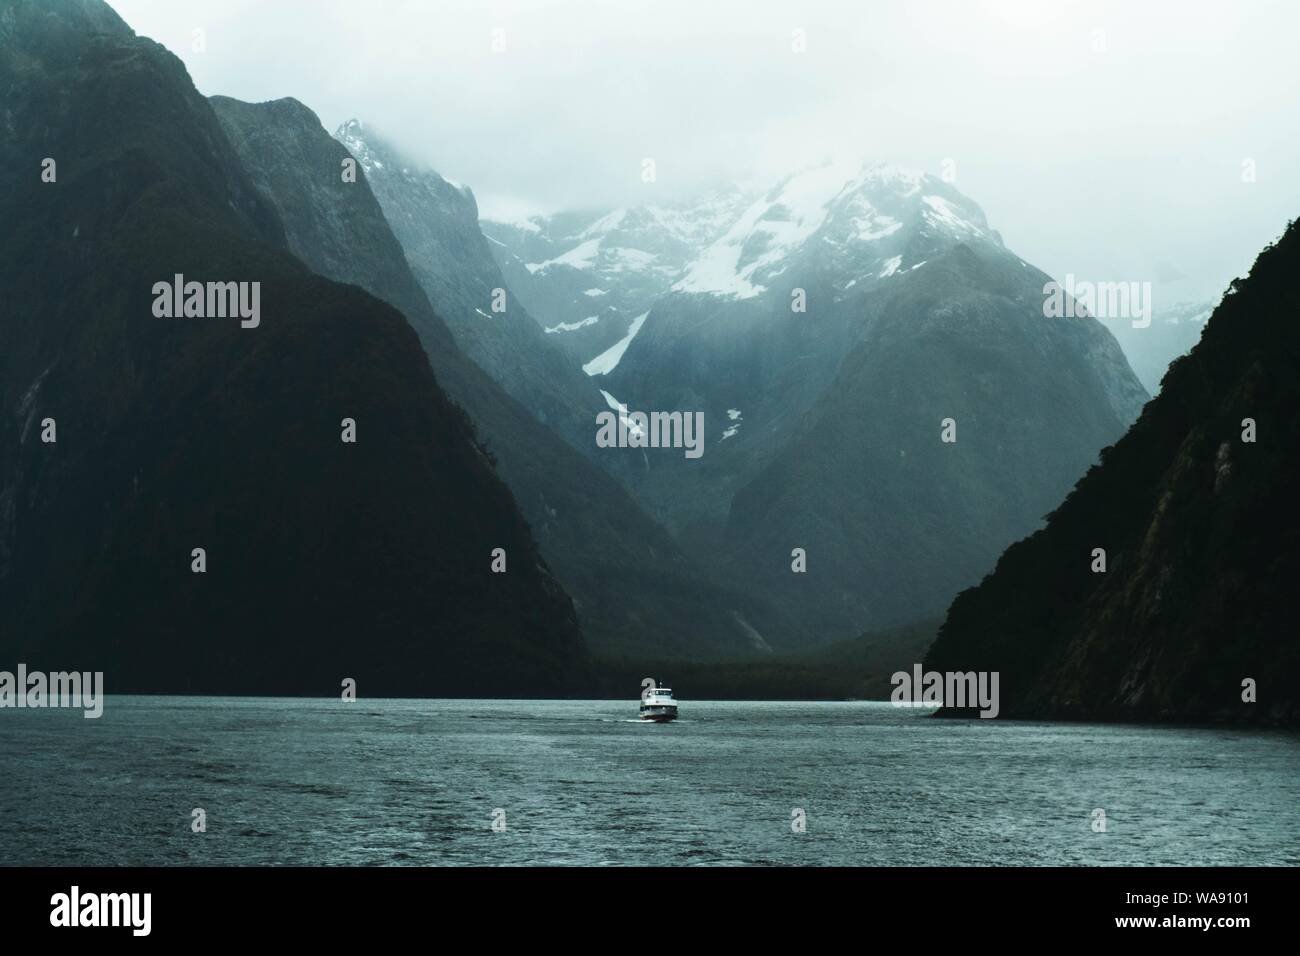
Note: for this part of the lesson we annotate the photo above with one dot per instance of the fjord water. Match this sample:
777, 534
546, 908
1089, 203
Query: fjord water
415, 782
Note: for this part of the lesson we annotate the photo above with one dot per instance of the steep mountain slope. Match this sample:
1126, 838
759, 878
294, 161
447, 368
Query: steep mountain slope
894, 519
437, 224
324, 560
635, 591
1201, 531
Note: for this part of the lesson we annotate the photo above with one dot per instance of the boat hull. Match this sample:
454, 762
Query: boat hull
659, 715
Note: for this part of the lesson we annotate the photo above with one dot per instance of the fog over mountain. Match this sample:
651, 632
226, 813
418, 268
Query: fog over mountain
1101, 112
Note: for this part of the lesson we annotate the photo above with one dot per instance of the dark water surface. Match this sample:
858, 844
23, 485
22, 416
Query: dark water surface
291, 781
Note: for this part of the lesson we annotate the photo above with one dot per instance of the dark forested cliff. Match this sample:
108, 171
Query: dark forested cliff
130, 441
1201, 532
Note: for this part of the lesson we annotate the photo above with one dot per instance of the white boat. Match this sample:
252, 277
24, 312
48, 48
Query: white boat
658, 705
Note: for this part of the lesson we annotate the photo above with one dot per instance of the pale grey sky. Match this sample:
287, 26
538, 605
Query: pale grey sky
1106, 139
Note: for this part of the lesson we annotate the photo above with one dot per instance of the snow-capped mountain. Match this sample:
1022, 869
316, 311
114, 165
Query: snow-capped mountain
764, 313
856, 223
588, 277
825, 326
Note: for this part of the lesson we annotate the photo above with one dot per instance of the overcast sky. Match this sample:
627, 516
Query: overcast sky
1102, 139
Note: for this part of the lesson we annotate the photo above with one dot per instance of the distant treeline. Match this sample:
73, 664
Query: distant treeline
859, 668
